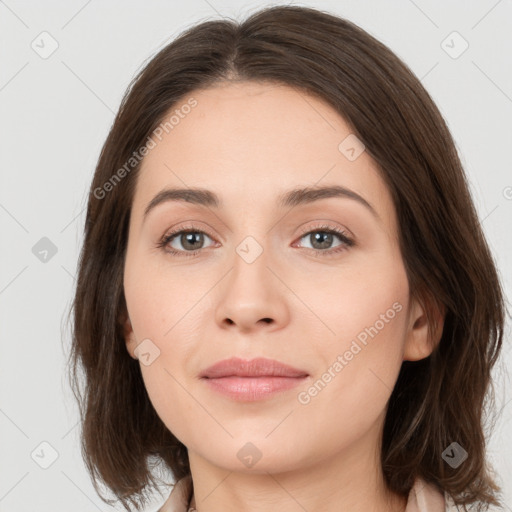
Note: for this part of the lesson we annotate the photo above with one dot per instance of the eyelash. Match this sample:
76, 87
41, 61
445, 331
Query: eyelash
346, 241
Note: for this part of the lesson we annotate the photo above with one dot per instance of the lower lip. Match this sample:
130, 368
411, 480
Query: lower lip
251, 389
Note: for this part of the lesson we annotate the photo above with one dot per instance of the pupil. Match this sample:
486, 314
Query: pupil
324, 238
189, 240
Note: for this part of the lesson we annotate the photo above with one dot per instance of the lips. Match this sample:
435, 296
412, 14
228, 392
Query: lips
253, 380
259, 367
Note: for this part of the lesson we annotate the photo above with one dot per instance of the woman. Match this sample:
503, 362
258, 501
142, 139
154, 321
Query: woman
284, 292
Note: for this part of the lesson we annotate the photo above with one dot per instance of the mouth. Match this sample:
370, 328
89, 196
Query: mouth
252, 380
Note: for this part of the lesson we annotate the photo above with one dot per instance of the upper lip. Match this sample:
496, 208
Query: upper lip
258, 367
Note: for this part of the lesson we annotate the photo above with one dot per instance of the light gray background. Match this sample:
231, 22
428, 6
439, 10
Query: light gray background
55, 114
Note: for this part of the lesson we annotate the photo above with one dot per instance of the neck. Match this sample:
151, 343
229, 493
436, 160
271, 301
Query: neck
350, 479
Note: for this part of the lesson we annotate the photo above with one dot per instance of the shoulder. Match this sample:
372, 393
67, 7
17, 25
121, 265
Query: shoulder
426, 497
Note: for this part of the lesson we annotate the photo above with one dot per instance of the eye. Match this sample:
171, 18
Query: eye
322, 237
190, 239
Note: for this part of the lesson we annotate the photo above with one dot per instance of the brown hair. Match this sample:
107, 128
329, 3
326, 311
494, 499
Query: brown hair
436, 401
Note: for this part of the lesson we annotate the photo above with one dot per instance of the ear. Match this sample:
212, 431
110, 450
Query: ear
419, 343
129, 335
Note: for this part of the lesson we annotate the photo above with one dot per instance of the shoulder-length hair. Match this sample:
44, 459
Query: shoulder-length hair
436, 401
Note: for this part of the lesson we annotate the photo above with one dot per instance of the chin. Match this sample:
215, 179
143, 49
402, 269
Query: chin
255, 456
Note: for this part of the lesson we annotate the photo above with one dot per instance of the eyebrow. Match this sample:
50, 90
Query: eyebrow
291, 198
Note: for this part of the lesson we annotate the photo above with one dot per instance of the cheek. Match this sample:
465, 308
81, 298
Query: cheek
154, 302
167, 391
350, 393
366, 302
161, 311
362, 350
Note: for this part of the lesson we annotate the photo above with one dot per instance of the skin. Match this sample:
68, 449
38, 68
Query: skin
248, 143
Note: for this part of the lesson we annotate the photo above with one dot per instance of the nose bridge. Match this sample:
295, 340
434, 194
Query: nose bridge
251, 240
251, 293
250, 273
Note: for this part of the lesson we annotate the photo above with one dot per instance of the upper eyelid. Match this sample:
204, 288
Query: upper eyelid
326, 227
303, 230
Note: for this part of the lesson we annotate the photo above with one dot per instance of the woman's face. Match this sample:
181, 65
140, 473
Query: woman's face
262, 276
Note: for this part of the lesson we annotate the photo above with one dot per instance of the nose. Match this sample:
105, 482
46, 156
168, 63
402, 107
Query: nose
252, 297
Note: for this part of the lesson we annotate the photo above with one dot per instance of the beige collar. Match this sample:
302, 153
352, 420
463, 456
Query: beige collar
423, 497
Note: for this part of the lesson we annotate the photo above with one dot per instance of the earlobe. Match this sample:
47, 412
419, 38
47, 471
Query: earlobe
419, 343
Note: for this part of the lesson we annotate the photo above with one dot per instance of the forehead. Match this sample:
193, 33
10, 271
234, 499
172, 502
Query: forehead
250, 142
